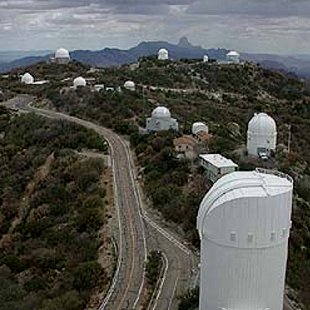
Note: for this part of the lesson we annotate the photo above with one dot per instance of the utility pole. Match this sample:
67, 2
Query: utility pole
289, 138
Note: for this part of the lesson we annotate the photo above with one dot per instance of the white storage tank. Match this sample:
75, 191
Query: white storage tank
244, 223
163, 54
261, 135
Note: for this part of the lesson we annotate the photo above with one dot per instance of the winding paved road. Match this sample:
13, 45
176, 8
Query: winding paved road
137, 229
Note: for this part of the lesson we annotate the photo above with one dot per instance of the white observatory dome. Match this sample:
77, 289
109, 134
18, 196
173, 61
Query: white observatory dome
233, 57
262, 134
199, 126
62, 53
79, 82
262, 124
161, 112
244, 224
205, 58
233, 53
163, 54
130, 85
27, 78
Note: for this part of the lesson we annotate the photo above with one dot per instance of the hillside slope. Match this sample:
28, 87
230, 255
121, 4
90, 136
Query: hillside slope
223, 96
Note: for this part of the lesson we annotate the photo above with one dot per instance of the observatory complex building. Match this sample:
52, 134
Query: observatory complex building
244, 223
233, 57
261, 135
62, 56
27, 78
161, 120
130, 85
163, 54
79, 82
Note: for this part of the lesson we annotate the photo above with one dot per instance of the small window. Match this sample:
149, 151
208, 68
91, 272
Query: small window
273, 236
233, 236
250, 237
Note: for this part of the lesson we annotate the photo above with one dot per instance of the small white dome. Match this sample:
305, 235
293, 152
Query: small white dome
205, 58
199, 126
27, 78
233, 53
79, 82
130, 85
62, 53
161, 112
163, 54
262, 124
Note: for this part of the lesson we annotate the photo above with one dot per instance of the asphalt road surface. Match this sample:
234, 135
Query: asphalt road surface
138, 231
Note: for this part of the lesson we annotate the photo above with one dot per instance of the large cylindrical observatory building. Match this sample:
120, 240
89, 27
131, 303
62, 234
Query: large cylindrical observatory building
244, 223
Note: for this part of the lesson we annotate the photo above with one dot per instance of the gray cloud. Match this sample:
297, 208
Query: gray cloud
260, 25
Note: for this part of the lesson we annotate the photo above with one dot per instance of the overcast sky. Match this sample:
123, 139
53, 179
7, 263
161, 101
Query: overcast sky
277, 26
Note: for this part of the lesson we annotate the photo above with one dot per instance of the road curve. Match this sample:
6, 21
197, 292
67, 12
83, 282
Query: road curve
137, 229
125, 291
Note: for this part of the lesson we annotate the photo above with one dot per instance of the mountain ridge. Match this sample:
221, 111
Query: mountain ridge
108, 57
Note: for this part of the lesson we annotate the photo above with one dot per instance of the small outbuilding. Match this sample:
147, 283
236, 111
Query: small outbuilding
186, 146
216, 166
205, 58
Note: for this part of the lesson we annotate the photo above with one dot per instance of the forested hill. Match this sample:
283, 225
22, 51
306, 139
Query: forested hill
51, 211
225, 97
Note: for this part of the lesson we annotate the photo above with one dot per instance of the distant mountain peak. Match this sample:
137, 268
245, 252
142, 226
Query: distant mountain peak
184, 42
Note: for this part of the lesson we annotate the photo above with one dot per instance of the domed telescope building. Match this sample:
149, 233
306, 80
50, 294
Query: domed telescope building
62, 56
161, 120
27, 78
261, 135
130, 85
244, 224
79, 82
233, 57
198, 127
163, 54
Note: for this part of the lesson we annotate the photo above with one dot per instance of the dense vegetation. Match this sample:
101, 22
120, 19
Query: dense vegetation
190, 300
51, 210
153, 267
225, 97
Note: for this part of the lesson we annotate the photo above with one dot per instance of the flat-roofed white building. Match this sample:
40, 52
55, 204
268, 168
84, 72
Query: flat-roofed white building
216, 165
